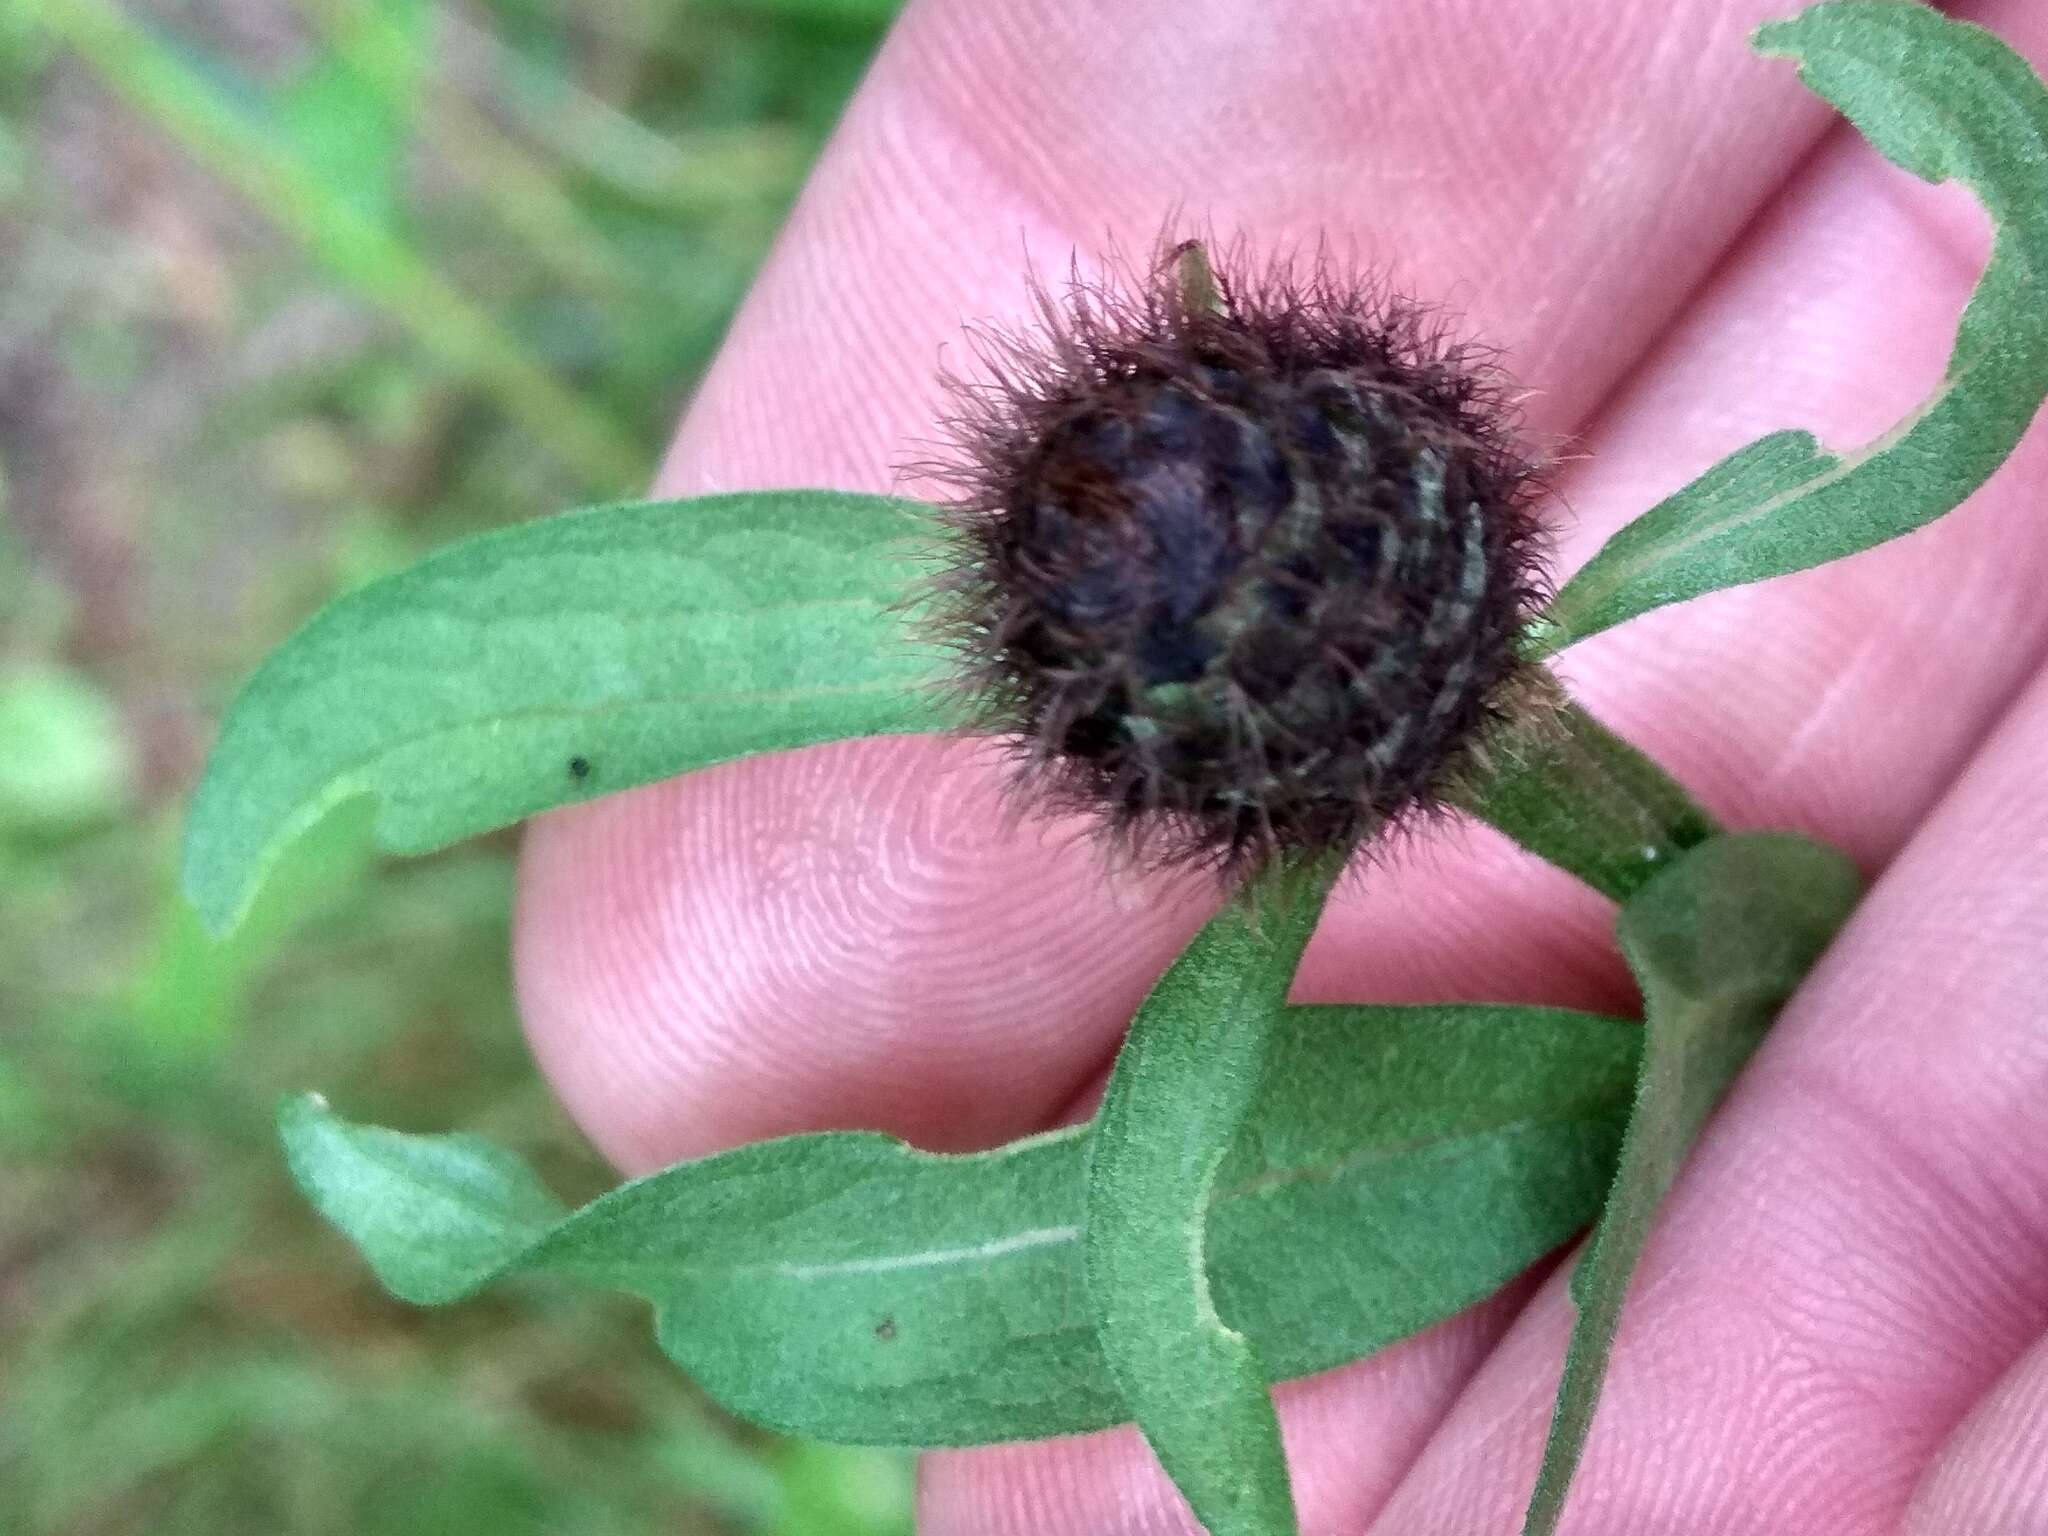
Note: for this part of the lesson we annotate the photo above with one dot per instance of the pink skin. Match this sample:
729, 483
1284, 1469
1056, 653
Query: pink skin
1839, 1326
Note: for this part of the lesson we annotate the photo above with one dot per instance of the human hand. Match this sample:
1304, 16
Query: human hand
1840, 1323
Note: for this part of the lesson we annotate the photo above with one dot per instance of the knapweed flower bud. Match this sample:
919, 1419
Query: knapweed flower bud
1238, 560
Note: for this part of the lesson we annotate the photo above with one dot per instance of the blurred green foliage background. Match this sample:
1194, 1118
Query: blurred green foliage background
292, 291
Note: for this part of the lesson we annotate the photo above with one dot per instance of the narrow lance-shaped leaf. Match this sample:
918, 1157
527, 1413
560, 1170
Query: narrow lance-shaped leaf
563, 659
1717, 942
1944, 100
1397, 1165
1177, 1099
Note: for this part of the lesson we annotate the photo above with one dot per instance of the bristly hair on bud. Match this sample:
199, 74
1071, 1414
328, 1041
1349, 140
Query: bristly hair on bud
1237, 557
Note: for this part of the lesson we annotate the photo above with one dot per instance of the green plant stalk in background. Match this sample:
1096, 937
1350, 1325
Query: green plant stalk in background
347, 237
542, 665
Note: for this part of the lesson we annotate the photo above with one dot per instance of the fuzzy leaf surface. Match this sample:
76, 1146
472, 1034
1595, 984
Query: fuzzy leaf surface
1177, 1098
563, 659
1396, 1166
1717, 942
1946, 101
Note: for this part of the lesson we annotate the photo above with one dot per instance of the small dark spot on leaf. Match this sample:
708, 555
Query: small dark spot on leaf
579, 768
885, 1330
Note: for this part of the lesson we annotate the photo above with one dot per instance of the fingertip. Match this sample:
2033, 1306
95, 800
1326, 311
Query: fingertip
852, 935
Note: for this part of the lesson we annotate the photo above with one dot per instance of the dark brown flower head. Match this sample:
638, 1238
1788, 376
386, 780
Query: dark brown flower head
1238, 560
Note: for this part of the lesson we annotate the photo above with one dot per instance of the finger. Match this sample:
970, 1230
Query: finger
1991, 1478
1567, 176
782, 944
1860, 1246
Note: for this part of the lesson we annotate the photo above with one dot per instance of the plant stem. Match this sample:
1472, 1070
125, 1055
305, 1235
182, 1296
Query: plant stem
1571, 791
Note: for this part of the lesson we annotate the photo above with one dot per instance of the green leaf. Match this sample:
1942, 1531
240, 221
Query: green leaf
1398, 1165
448, 1205
1717, 942
1571, 791
1944, 100
563, 659
1177, 1099
862, 14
